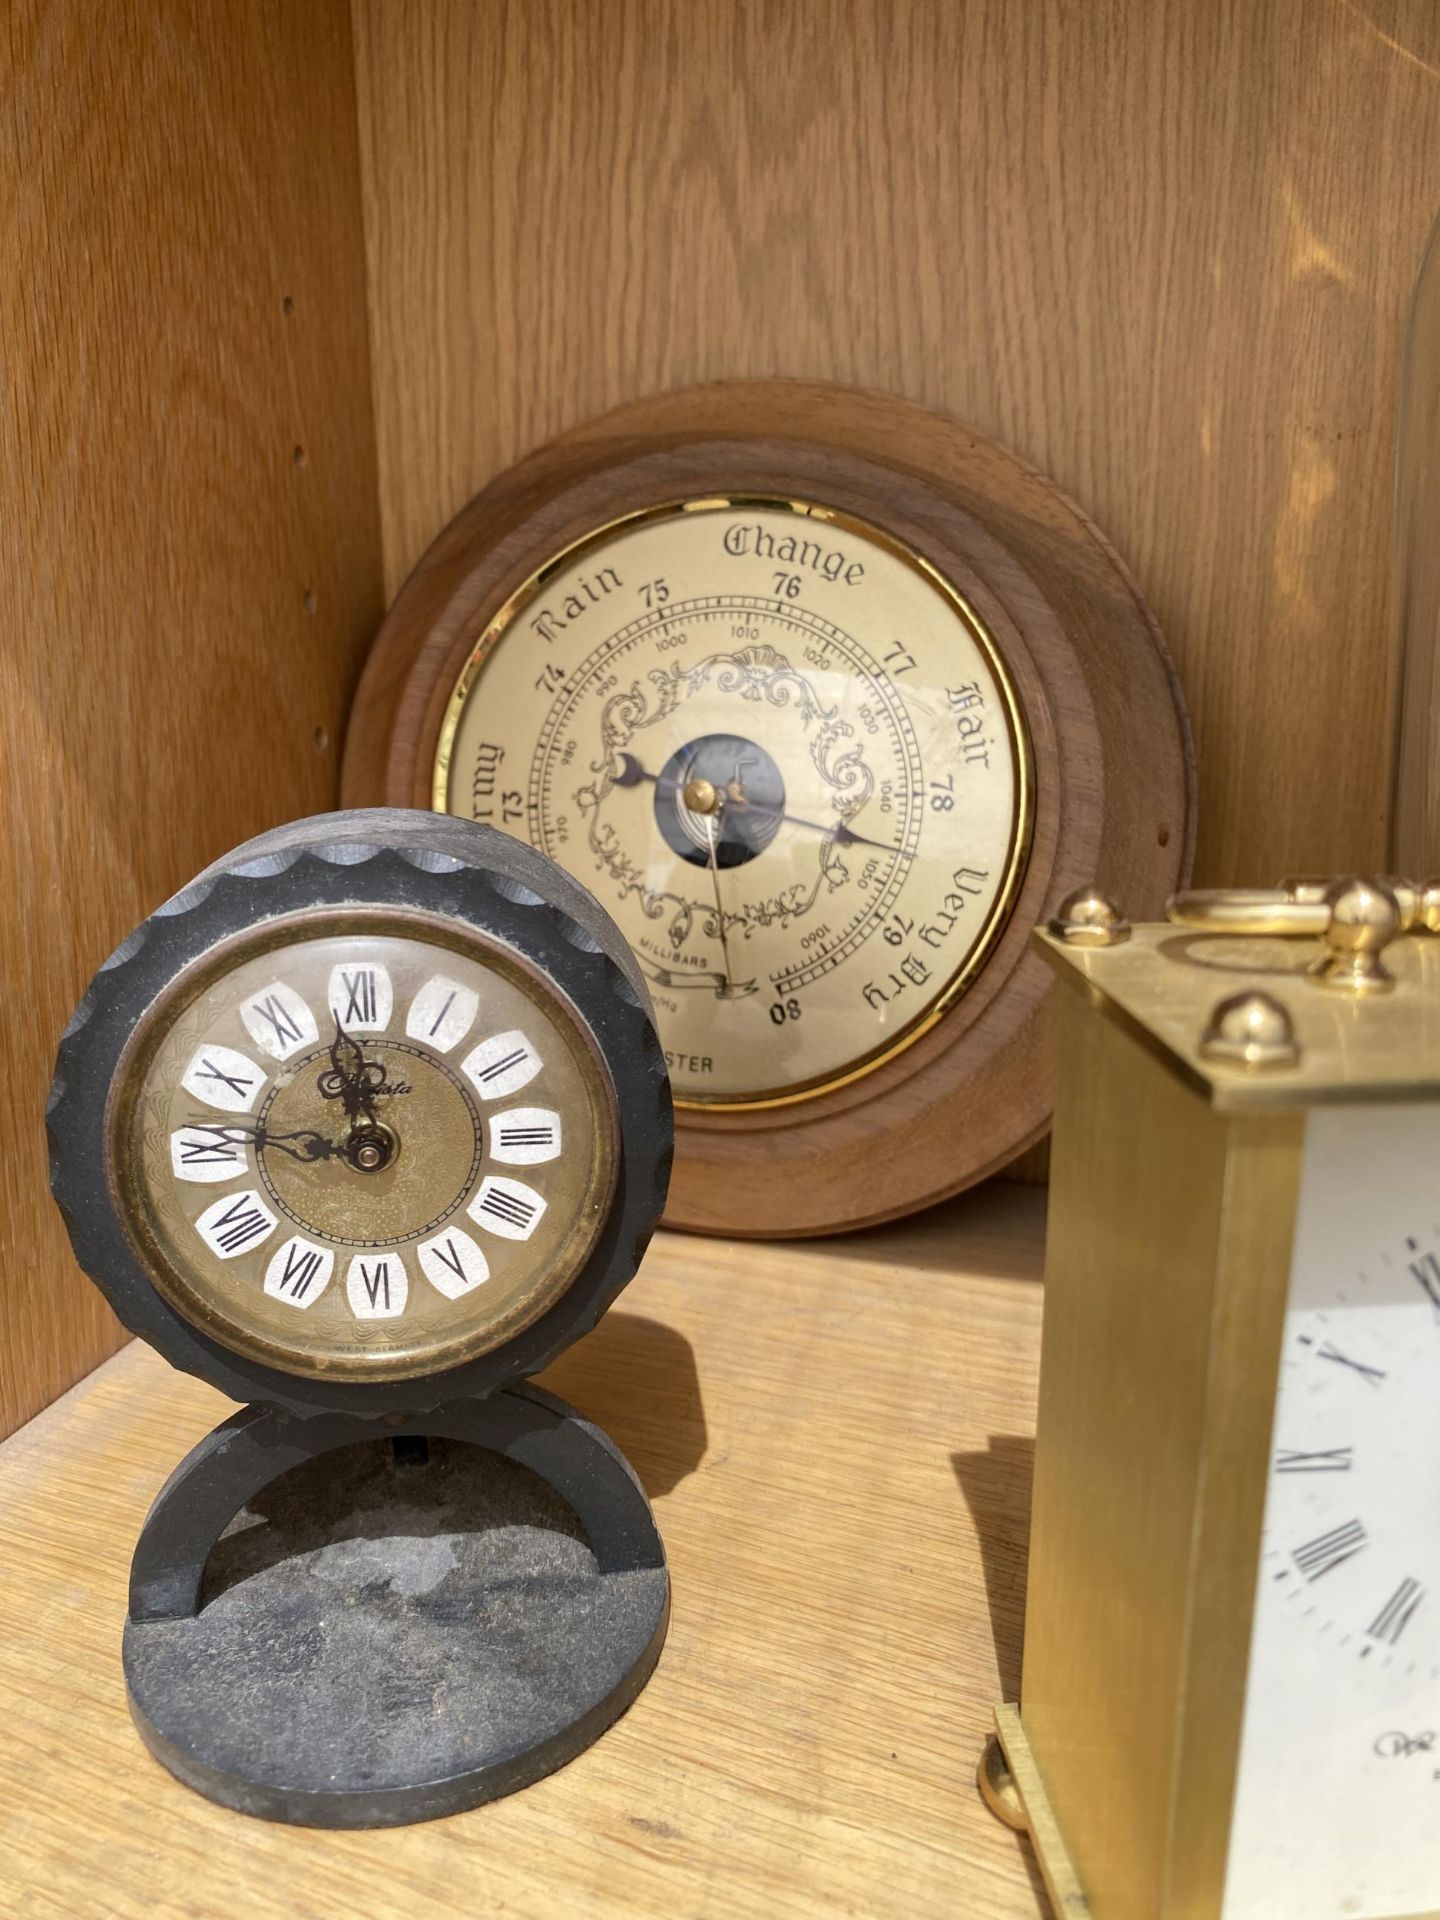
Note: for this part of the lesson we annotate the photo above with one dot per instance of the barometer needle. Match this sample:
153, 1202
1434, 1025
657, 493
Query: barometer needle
712, 834
632, 773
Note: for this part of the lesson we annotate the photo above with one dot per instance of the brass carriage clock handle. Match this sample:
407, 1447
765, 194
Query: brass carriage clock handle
1356, 918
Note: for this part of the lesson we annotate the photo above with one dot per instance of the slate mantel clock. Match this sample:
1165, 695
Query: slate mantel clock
1230, 1699
363, 1127
829, 700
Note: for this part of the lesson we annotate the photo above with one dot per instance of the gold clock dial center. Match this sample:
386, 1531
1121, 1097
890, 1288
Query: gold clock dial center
362, 1146
419, 1099
370, 1149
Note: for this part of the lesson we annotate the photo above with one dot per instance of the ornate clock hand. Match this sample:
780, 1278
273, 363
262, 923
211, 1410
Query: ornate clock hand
351, 1078
253, 1134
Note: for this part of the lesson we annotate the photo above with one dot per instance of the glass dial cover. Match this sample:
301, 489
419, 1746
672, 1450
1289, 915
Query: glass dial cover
359, 1152
785, 753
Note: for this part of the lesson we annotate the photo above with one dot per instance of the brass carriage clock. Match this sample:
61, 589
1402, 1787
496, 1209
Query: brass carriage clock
1230, 1703
363, 1127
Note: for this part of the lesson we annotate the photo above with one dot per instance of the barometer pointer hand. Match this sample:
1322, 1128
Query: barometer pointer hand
847, 837
631, 774
712, 834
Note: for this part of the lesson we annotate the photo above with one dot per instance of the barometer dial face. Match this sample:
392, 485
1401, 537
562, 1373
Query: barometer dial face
784, 753
362, 1148
1339, 1785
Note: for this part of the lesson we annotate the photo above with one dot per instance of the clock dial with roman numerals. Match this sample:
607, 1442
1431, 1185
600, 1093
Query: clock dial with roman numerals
1338, 1805
363, 1149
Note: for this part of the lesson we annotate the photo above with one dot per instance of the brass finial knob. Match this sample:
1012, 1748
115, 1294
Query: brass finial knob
1086, 918
1250, 1030
1427, 906
1316, 889
1364, 918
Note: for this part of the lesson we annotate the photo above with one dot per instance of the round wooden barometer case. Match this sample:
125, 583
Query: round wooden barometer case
371, 1116
829, 701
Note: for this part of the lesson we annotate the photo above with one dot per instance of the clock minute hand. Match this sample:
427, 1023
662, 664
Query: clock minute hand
241, 1133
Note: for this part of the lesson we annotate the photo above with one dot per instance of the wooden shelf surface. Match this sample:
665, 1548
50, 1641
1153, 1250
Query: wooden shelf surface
837, 1438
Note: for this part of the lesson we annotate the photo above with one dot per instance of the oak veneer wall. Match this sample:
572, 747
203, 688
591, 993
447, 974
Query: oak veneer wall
189, 536
1163, 247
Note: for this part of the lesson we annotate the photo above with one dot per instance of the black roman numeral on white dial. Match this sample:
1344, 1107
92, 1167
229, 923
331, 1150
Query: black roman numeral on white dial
223, 1078
299, 1271
525, 1136
501, 1065
361, 997
506, 1207
235, 1223
377, 1286
203, 1154
453, 1263
1397, 1613
279, 1021
442, 1013
1324, 1460
1329, 1550
1371, 1375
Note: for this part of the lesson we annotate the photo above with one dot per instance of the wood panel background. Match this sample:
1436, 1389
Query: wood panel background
189, 538
1163, 247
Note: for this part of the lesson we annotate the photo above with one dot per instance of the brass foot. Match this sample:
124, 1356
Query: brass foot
998, 1788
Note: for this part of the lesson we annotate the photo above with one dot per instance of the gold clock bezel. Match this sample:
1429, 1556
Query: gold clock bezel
125, 1183
1016, 731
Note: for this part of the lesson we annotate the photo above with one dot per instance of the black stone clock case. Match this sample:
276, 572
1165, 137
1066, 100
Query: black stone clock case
479, 1650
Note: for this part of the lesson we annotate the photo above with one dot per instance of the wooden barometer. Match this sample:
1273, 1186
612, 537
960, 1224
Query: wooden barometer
829, 700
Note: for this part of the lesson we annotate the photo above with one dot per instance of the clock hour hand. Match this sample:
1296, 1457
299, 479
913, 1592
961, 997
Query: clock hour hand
301, 1143
351, 1078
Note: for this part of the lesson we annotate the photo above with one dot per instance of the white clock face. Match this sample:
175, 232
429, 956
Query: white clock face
1337, 1813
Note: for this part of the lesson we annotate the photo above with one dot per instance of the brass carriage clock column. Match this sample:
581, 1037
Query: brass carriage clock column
364, 1127
1230, 1704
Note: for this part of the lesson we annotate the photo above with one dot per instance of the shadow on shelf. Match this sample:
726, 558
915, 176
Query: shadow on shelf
636, 1378
996, 1229
996, 1488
